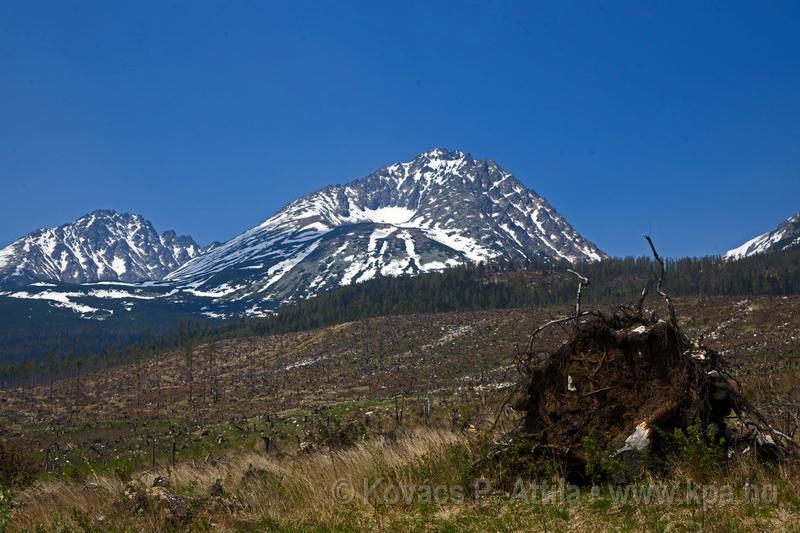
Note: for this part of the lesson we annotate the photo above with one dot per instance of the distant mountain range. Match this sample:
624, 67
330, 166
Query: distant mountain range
440, 209
786, 236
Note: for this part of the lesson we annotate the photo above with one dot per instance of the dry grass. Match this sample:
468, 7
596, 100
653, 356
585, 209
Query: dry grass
52, 501
294, 493
295, 489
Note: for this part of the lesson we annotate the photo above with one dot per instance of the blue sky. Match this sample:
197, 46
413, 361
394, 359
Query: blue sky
679, 119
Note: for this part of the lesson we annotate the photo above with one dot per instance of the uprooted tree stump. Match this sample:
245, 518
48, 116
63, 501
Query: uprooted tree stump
633, 378
625, 375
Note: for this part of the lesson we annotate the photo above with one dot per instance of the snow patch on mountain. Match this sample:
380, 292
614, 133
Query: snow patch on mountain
61, 299
454, 239
383, 215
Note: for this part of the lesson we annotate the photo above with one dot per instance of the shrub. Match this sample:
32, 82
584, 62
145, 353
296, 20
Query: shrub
601, 463
697, 450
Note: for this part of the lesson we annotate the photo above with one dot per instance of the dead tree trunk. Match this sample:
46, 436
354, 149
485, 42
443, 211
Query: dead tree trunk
584, 282
672, 316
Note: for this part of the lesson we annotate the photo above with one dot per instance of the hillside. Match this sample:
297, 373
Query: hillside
368, 362
325, 389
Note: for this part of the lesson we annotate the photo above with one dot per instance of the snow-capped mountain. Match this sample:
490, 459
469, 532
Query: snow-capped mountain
439, 210
101, 246
784, 237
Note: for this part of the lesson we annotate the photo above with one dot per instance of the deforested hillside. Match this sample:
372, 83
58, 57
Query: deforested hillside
179, 437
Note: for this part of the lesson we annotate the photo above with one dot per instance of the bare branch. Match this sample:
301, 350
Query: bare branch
660, 262
584, 281
551, 323
663, 294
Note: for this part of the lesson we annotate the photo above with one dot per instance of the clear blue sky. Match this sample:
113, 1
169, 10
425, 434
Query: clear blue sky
680, 119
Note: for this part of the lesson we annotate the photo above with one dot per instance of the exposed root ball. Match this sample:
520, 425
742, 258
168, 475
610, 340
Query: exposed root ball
623, 375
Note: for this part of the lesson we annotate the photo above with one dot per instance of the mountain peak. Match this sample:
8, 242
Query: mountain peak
102, 245
442, 154
438, 210
103, 212
108, 213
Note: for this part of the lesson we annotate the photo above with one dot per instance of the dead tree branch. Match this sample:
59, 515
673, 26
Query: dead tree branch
551, 323
663, 294
584, 281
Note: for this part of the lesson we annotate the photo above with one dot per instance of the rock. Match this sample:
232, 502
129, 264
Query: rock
640, 438
636, 445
